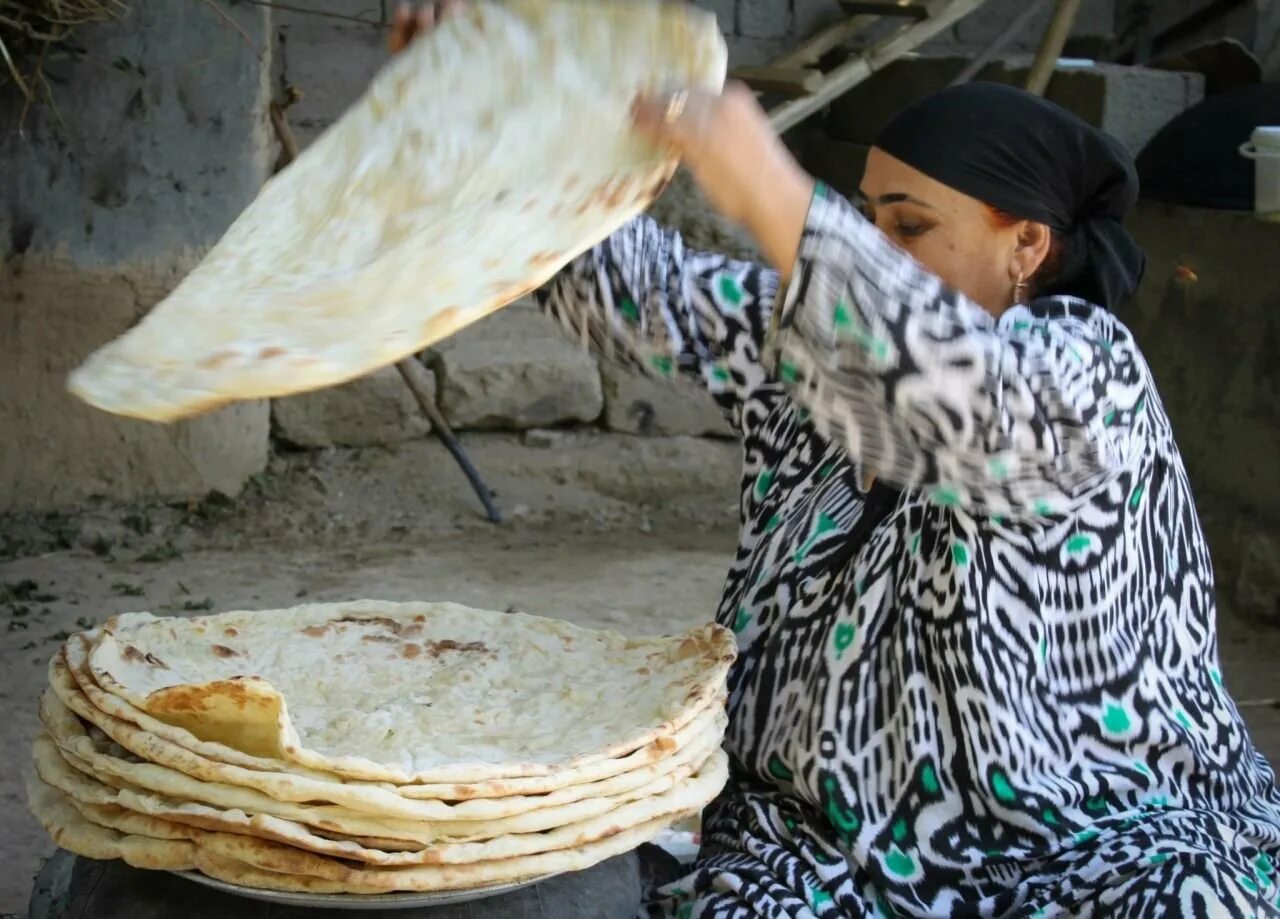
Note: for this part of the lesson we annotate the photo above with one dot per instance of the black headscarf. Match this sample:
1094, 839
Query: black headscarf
1036, 161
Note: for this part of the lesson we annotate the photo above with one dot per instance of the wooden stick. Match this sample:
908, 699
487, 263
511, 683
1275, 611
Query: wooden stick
854, 71
414, 376
1055, 39
411, 371
791, 82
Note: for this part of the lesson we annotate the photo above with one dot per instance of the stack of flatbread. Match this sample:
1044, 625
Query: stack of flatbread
373, 747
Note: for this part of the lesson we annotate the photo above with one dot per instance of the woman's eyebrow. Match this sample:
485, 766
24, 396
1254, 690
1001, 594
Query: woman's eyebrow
895, 198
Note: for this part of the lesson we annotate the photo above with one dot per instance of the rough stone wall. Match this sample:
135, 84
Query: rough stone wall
159, 140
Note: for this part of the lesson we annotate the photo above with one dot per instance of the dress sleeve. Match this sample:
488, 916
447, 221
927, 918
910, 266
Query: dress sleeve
643, 299
1024, 416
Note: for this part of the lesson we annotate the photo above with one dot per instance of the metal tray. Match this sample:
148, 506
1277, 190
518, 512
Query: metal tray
361, 901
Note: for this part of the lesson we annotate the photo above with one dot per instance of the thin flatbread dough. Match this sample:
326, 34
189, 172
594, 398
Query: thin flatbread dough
479, 162
536, 831
542, 695
65, 729
587, 776
71, 830
670, 796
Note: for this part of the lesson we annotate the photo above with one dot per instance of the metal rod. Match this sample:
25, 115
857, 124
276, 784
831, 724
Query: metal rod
1011, 31
1055, 39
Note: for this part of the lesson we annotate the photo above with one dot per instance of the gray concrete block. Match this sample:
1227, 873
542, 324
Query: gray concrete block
764, 18
1132, 104
514, 370
1096, 19
58, 451
636, 404
812, 16
374, 409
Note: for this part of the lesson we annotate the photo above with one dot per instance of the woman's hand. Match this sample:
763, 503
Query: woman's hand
410, 23
739, 161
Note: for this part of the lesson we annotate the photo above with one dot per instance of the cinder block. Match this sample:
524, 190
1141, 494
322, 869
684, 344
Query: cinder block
1095, 19
1130, 103
764, 18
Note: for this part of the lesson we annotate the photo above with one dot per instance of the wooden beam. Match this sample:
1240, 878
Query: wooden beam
887, 8
849, 74
826, 41
1055, 39
791, 82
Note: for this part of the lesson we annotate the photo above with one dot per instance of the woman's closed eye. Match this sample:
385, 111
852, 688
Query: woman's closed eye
911, 229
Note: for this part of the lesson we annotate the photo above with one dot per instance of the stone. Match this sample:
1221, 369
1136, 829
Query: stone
1130, 103
515, 370
764, 18
1258, 585
636, 404
371, 410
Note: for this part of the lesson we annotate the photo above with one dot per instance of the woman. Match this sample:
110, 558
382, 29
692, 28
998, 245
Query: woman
979, 671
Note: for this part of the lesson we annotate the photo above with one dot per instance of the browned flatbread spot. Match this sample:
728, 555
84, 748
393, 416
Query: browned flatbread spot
410, 651
542, 259
216, 360
224, 651
268, 353
230, 632
315, 631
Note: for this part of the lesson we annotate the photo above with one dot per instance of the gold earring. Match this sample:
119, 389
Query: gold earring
1020, 291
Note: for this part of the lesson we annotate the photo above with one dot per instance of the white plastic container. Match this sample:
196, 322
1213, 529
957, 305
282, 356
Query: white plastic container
1264, 149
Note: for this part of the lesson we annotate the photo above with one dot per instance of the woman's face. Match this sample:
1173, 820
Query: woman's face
950, 233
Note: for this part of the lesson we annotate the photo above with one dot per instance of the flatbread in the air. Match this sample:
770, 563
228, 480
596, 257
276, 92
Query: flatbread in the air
479, 162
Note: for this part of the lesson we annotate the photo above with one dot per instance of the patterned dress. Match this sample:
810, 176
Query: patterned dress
979, 671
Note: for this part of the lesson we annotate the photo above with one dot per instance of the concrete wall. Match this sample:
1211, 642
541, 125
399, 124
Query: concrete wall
158, 142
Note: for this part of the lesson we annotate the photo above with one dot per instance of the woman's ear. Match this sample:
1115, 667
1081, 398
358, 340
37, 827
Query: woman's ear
1031, 248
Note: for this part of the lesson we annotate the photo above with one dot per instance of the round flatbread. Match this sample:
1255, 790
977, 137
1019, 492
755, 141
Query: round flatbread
411, 692
458, 182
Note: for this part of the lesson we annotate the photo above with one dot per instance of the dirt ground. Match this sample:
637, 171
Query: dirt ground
615, 532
